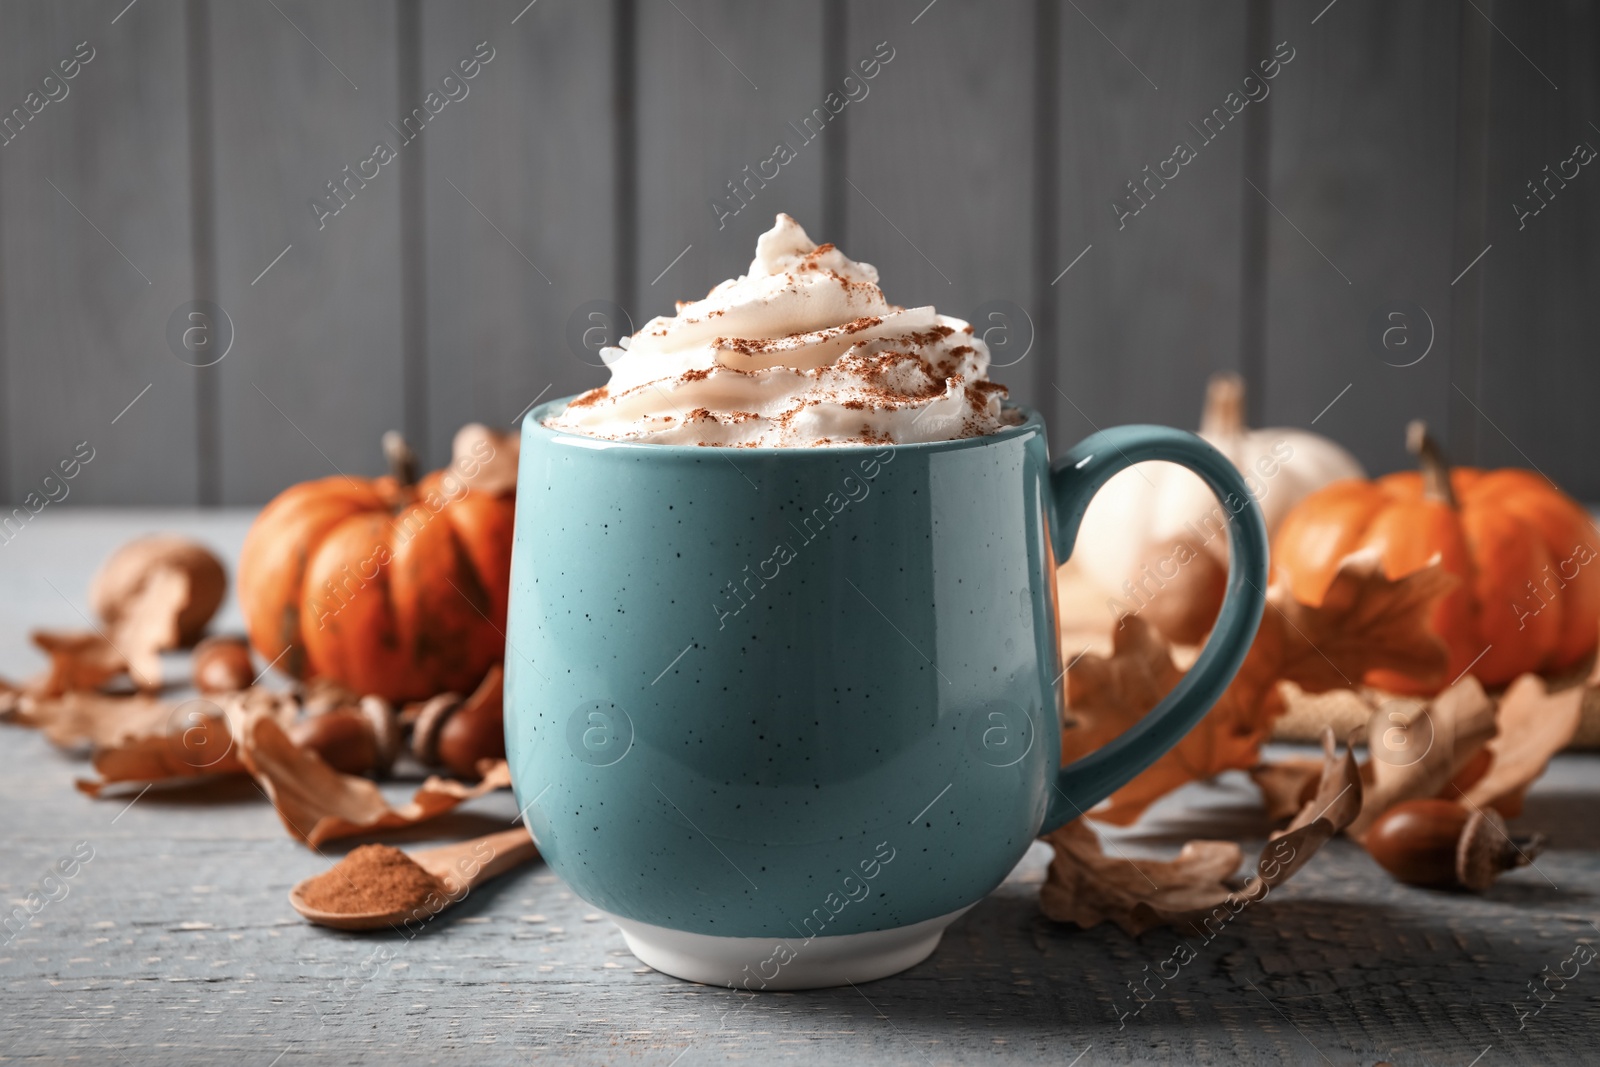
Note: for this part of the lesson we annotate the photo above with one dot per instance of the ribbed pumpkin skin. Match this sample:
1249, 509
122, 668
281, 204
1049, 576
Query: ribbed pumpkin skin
1528, 557
391, 590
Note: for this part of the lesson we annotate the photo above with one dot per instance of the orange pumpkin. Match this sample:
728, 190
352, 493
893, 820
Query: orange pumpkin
1529, 598
390, 585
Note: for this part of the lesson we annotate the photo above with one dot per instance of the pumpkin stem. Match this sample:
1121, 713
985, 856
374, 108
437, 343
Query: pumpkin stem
402, 461
1223, 415
1435, 467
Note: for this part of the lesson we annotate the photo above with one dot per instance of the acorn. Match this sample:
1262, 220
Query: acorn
360, 739
457, 732
1440, 844
342, 737
222, 664
426, 719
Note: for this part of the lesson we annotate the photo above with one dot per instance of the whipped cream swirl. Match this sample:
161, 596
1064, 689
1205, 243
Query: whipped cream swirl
802, 350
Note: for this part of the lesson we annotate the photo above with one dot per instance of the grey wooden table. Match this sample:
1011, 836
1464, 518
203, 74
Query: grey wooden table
174, 943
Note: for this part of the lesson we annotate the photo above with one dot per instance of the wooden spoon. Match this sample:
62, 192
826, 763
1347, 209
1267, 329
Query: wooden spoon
507, 849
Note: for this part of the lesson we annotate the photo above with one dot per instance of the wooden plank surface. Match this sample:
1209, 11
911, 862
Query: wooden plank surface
1539, 367
529, 150
1359, 256
719, 82
316, 374
175, 943
1153, 306
94, 255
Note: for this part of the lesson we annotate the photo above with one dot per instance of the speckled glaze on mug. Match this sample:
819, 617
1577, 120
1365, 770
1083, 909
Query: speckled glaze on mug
811, 693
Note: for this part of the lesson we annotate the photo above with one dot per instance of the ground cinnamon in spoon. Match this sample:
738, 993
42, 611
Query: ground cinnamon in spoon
372, 879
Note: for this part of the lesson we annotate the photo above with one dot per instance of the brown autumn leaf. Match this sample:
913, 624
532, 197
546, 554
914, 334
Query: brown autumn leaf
1108, 694
1416, 749
1137, 674
194, 740
83, 717
1337, 800
149, 623
80, 661
1366, 621
155, 594
1533, 724
1086, 887
1459, 744
1286, 785
163, 756
318, 804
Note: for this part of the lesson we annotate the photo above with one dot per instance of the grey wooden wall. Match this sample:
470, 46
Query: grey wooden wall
981, 166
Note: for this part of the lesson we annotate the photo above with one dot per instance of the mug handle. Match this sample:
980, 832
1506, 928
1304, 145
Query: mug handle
1076, 477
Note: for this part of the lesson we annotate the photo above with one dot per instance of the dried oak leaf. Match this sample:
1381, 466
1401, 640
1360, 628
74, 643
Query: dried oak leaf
1532, 724
163, 756
1461, 743
74, 719
1286, 785
1365, 621
318, 804
1417, 749
1086, 887
148, 623
156, 594
195, 740
80, 661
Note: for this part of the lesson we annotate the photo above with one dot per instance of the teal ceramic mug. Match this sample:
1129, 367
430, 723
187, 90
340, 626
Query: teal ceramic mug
784, 714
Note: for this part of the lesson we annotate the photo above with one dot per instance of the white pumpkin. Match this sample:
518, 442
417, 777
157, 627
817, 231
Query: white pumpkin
1155, 538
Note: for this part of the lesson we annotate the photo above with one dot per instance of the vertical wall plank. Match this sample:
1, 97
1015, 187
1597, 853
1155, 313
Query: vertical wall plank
940, 164
1470, 233
1540, 373
1152, 307
719, 82
1363, 166
531, 149
442, 292
316, 373
95, 254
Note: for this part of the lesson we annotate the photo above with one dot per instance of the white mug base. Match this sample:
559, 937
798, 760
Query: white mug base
772, 963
